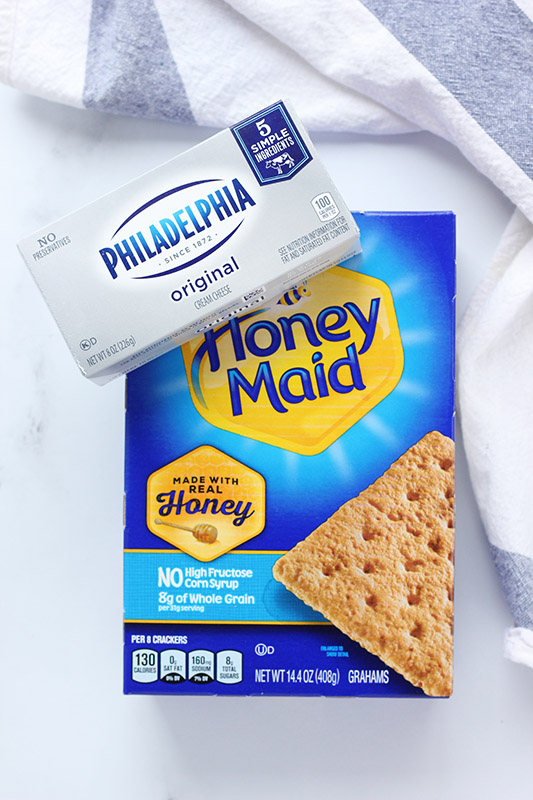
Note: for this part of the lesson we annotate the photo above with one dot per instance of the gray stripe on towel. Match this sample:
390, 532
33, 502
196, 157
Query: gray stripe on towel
516, 574
482, 52
130, 69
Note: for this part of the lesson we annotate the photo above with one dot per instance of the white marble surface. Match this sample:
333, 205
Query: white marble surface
67, 733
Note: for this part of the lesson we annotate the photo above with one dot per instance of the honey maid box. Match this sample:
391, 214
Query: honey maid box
289, 486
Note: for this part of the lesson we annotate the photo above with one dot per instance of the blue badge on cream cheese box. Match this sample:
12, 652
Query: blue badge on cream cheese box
271, 143
253, 437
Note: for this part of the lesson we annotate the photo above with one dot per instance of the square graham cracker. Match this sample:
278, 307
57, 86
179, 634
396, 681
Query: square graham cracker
381, 568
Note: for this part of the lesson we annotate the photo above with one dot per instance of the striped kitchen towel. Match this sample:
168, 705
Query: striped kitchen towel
458, 68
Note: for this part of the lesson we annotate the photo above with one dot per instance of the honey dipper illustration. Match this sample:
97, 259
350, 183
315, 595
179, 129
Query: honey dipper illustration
203, 532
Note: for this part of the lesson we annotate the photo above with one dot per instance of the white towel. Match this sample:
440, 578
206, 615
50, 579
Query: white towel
460, 70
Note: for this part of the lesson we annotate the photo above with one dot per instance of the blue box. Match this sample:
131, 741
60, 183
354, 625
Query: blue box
243, 441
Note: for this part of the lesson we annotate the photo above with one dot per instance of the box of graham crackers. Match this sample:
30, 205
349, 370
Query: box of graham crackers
290, 486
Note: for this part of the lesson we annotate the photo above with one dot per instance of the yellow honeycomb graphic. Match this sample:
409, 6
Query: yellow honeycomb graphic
205, 503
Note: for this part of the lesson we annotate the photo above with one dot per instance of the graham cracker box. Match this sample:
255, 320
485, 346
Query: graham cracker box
290, 486
219, 229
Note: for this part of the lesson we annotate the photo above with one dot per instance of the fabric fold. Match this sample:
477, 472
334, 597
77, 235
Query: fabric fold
518, 646
495, 386
7, 30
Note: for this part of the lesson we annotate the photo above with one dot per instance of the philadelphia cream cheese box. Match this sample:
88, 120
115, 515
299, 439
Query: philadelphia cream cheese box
224, 227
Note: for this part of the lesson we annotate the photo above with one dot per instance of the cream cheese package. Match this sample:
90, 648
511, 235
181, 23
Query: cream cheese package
223, 227
290, 486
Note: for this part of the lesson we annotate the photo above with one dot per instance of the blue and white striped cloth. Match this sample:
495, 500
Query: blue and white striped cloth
458, 68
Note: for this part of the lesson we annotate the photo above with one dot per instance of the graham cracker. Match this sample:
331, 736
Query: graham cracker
381, 568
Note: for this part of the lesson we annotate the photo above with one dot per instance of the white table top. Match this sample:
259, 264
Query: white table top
67, 731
